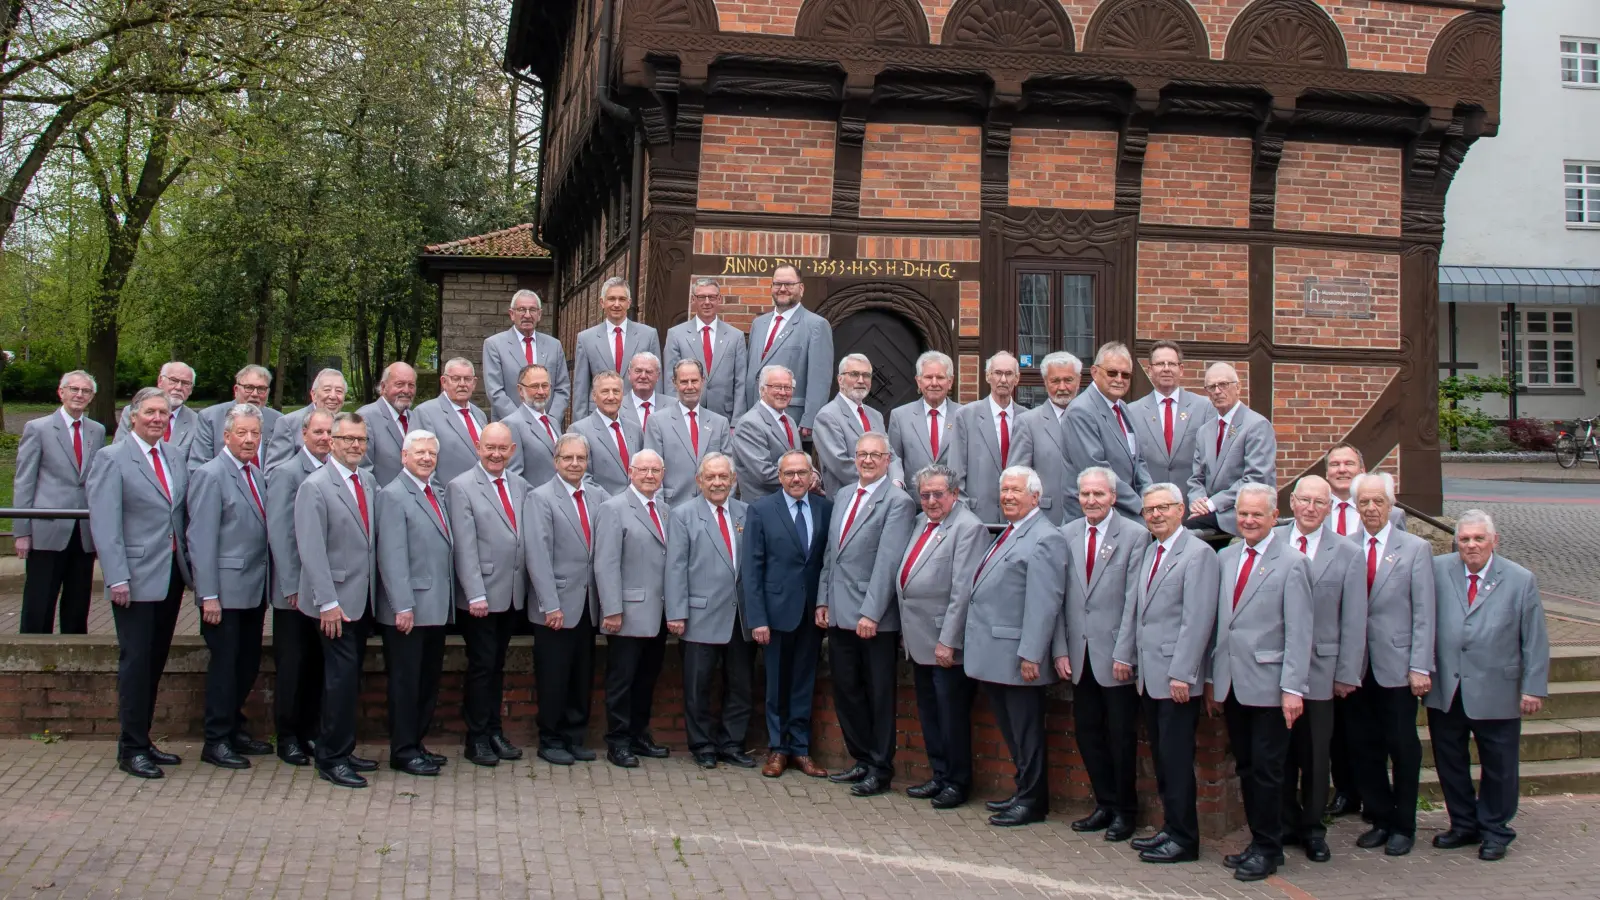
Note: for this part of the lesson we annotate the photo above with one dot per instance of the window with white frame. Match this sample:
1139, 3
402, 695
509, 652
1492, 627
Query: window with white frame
1546, 347
1583, 192
1580, 61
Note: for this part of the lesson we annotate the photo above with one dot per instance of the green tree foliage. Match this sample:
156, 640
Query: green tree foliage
1453, 416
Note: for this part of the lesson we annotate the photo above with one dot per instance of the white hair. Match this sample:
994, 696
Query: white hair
876, 436
712, 457
1475, 517
705, 281
523, 295
988, 365
79, 373
1167, 486
329, 375
699, 367
766, 374
419, 434
934, 356
168, 365
634, 460
1224, 366
1098, 472
389, 369
305, 424
1111, 348
853, 358
574, 437
1035, 486
253, 369
457, 362
240, 411
1383, 478
617, 281
1060, 358
1255, 489
645, 356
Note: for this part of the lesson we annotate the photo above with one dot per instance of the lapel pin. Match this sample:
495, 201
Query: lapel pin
1389, 558
1183, 417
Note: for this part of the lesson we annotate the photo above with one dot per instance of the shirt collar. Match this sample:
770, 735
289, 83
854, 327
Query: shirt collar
421, 485
996, 409
237, 462
776, 414
66, 418
1171, 540
788, 313
701, 325
639, 402
940, 409
686, 410
873, 487
394, 413
611, 329
715, 507
1311, 539
607, 419
144, 449
491, 476
1382, 535
1231, 412
1018, 523
1483, 573
315, 463
803, 501
339, 467
1263, 544
570, 489
1176, 396
643, 500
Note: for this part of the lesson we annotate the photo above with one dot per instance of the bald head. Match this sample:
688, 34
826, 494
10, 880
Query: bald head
1222, 386
495, 446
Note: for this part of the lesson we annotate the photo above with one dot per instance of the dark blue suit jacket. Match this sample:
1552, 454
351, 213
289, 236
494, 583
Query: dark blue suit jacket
780, 578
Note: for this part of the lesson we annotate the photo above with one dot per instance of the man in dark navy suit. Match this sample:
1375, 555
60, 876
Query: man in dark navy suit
785, 537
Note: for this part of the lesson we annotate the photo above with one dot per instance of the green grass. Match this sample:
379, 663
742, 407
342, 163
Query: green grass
8, 469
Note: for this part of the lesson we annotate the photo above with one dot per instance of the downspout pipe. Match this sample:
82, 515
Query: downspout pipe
554, 300
624, 115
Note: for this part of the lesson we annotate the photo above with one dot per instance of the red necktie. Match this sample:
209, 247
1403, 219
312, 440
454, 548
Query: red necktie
705, 349
361, 501
644, 419
727, 537
1342, 506
405, 426
1001, 540
1088, 557
167, 434
1117, 408
933, 432
1372, 563
1005, 441
1472, 589
916, 550
787, 430
777, 323
545, 421
77, 442
527, 348
256, 495
1155, 568
1244, 575
622, 445
505, 501
1222, 429
1302, 543
865, 425
616, 346
850, 519
161, 474
583, 518
428, 490
651, 505
1166, 424
694, 437
472, 427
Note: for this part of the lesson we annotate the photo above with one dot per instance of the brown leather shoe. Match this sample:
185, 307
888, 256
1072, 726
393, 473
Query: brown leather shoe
804, 764
776, 763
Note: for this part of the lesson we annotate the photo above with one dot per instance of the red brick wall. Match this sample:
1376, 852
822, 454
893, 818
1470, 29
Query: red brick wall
717, 242
1393, 37
1337, 187
1292, 265
757, 16
970, 384
1063, 169
1218, 16
918, 248
1197, 180
780, 166
1194, 292
920, 172
1315, 406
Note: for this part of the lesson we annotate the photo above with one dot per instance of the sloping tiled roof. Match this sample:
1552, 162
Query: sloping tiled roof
515, 242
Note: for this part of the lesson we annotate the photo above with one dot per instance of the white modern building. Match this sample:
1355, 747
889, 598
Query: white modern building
1519, 279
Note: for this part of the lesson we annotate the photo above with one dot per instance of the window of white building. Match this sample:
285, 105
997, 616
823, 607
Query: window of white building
1580, 62
1582, 192
1546, 348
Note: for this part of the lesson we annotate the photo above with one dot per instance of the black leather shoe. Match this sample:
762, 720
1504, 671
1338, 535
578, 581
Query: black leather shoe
361, 763
735, 756
140, 765
1492, 852
926, 790
1146, 843
293, 753
705, 760
1169, 852
416, 765
1373, 838
849, 776
1453, 839
481, 754
342, 775
622, 757
583, 754
647, 747
950, 798
1120, 829
556, 756
245, 745
223, 756
162, 758
1020, 813
438, 759
504, 748
1317, 850
1232, 860
1343, 805
1398, 845
1099, 820
1255, 867
1000, 805
870, 786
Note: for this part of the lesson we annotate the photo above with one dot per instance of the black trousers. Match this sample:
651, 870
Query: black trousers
1019, 711
1341, 761
1170, 727
484, 689
791, 662
144, 638
863, 695
709, 732
297, 693
1305, 771
1106, 720
1260, 744
1385, 735
632, 666
235, 645
413, 662
341, 690
944, 704
1488, 810
563, 674
65, 574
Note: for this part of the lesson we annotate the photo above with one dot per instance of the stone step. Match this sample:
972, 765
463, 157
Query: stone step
1547, 777
1542, 740
1578, 663
1571, 700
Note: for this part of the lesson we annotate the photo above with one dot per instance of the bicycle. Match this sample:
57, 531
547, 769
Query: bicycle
1571, 449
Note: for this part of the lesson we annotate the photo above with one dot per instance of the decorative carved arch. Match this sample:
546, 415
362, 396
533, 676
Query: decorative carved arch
1148, 28
1021, 25
1286, 32
672, 15
1468, 47
908, 303
864, 21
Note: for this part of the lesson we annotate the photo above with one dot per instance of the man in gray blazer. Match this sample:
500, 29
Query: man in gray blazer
641, 400
296, 639
506, 353
1100, 430
251, 385
485, 502
136, 493
1166, 637
227, 540
630, 571
934, 584
612, 439
1040, 439
843, 421
855, 603
1241, 447
454, 419
1400, 657
1343, 463
1493, 669
183, 424
704, 610
565, 610
797, 339
717, 346
1104, 552
919, 431
1260, 667
1338, 651
684, 431
533, 429
388, 419
327, 394
764, 434
608, 345
1011, 618
983, 438
53, 463
1166, 420
334, 521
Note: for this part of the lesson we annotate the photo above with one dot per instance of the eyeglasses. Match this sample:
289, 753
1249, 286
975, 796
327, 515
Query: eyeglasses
78, 390
460, 379
871, 454
1149, 511
351, 439
1117, 374
786, 285
180, 382
781, 388
795, 473
933, 495
856, 375
1166, 364
1220, 386
1307, 501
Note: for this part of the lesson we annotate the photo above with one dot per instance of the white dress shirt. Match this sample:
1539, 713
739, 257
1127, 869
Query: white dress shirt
995, 410
805, 512
1313, 541
779, 321
733, 538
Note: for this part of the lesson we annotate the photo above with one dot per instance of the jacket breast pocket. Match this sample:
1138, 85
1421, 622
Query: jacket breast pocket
1006, 632
1327, 649
1269, 656
1513, 673
338, 575
698, 602
229, 562
422, 584
633, 596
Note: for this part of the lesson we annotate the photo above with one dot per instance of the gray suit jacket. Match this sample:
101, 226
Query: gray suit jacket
1338, 612
1096, 606
503, 358
859, 571
908, 436
804, 346
1249, 453
975, 457
457, 450
835, 433
1190, 416
668, 435
758, 443
135, 523
208, 441
384, 440
605, 463
1167, 633
227, 535
702, 579
489, 556
1040, 442
559, 560
415, 556
725, 384
1400, 608
938, 589
184, 429
1263, 645
1015, 601
630, 563
337, 557
1095, 439
283, 485
535, 459
286, 440
48, 477
593, 353
658, 402
1495, 650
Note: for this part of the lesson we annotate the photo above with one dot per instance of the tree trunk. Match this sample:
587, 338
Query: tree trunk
103, 323
360, 344
263, 331
377, 352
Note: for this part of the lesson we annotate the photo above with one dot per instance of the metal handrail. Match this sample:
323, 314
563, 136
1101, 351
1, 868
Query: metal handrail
1419, 514
14, 513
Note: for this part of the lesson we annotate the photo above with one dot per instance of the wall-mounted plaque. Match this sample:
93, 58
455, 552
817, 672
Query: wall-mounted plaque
1338, 298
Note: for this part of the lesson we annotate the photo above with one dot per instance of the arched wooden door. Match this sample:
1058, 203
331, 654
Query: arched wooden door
892, 344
